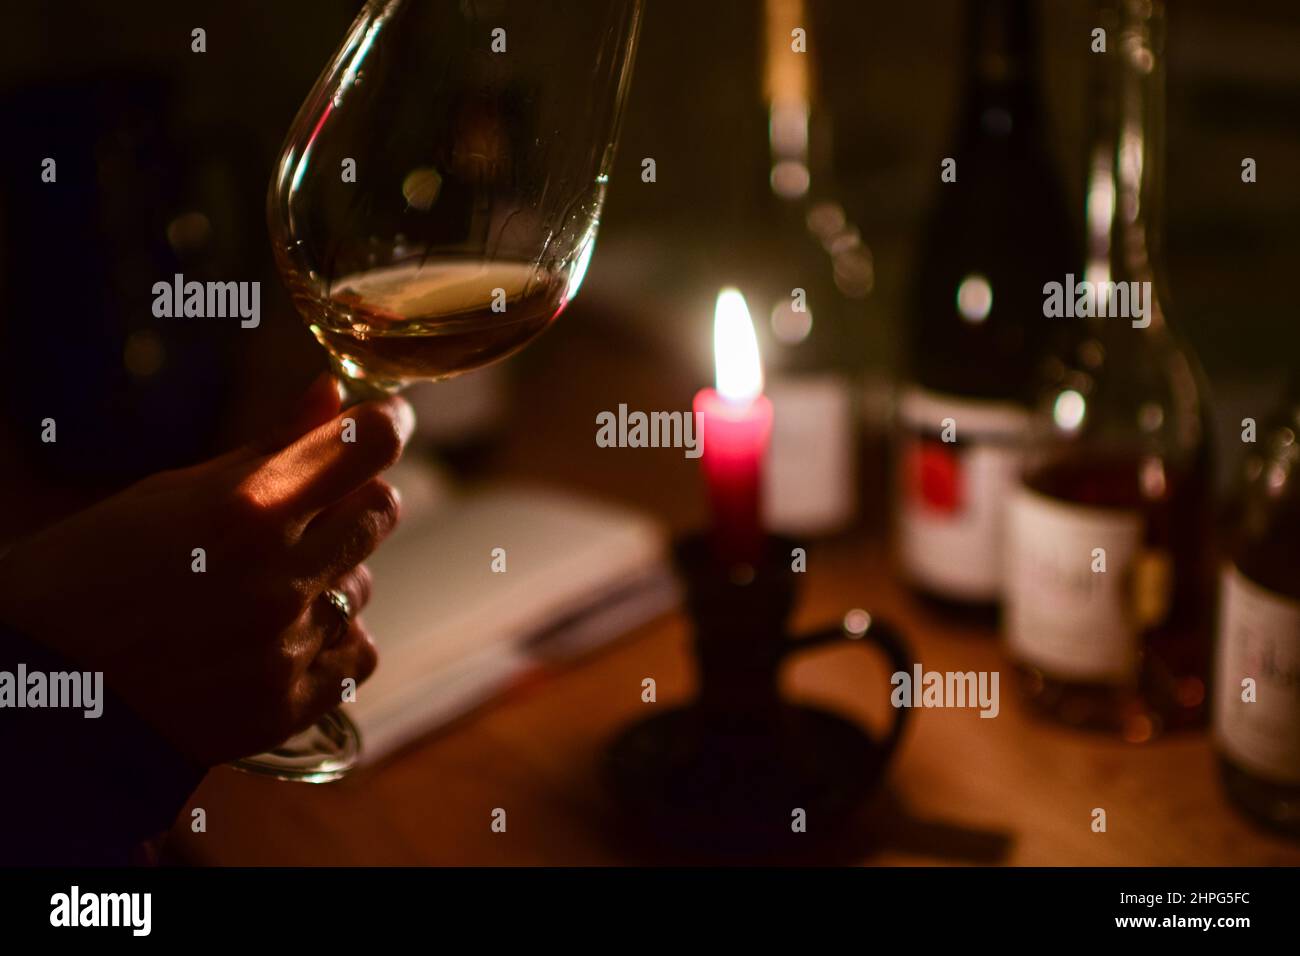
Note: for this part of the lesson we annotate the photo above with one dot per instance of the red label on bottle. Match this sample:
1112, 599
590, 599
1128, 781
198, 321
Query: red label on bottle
951, 494
937, 476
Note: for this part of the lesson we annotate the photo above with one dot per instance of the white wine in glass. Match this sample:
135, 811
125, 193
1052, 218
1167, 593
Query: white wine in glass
428, 320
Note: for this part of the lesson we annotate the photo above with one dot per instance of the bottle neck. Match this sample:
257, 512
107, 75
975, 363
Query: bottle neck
1001, 66
1126, 156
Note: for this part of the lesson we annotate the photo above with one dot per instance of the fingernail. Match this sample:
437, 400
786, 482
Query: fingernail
405, 418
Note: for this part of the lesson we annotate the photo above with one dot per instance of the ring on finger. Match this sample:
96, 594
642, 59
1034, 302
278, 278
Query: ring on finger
341, 604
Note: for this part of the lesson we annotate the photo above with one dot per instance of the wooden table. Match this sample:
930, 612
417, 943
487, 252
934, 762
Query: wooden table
962, 789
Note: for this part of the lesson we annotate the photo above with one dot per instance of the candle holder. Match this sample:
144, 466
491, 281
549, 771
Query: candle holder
727, 773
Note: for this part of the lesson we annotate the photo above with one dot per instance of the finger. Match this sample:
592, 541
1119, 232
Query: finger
354, 657
338, 457
318, 405
323, 624
347, 532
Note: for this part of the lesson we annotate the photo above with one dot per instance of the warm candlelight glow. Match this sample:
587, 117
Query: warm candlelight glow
735, 426
735, 350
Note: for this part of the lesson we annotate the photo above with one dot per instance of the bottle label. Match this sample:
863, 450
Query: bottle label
951, 494
809, 485
1257, 687
1076, 583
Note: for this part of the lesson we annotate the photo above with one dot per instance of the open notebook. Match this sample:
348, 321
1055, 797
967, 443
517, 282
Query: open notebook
451, 631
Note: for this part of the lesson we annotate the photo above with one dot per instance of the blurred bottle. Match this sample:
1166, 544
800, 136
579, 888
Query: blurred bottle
133, 196
1109, 570
817, 274
461, 420
999, 231
1257, 724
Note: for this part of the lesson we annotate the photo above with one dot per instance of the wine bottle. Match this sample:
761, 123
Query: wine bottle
1000, 230
1109, 573
815, 273
1257, 661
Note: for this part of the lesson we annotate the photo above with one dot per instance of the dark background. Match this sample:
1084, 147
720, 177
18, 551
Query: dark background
76, 332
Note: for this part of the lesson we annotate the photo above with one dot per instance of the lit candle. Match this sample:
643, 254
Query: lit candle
736, 422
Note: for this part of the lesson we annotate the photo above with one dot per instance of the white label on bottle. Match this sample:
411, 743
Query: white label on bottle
809, 485
1062, 613
952, 494
1259, 639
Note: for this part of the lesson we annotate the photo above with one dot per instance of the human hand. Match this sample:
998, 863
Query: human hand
233, 659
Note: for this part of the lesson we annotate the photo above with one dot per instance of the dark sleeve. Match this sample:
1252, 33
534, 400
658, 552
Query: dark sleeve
76, 790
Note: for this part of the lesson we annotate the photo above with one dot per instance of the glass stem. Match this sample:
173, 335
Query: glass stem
354, 391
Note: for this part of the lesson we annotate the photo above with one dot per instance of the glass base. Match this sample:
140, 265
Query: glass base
1138, 713
326, 751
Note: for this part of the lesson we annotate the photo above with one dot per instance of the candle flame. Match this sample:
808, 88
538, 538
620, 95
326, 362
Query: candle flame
735, 349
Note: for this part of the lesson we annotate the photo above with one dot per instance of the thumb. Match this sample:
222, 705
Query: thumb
317, 405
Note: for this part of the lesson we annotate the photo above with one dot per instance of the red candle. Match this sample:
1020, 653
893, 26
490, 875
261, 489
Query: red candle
736, 422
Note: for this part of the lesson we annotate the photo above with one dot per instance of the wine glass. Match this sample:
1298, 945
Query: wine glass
436, 201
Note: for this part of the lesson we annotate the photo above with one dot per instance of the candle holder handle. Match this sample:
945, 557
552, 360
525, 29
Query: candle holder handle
869, 630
